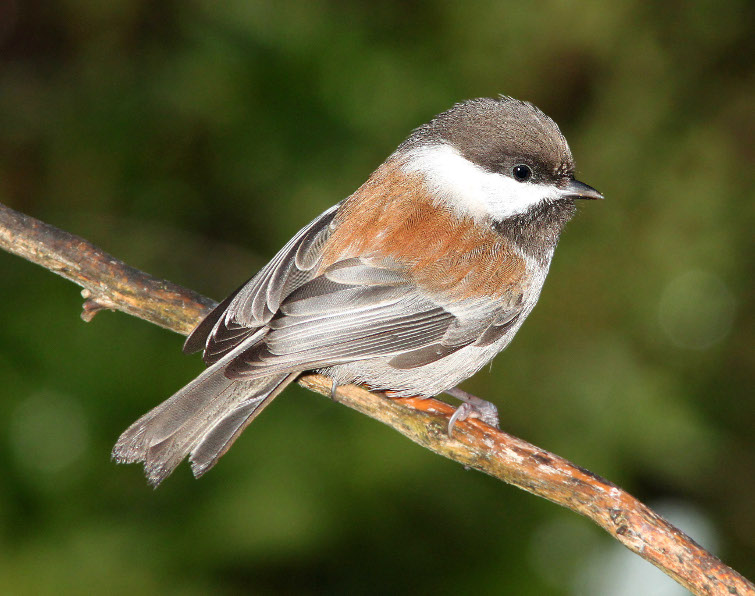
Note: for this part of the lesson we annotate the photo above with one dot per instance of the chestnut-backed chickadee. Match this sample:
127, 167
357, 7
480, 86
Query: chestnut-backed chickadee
411, 284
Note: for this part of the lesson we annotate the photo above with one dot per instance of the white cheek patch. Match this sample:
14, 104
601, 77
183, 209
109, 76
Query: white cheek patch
471, 190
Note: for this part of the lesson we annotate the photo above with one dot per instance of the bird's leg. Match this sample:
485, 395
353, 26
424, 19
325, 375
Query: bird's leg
472, 406
333, 389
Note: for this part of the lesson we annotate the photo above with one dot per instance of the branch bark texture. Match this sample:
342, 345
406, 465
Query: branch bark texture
111, 284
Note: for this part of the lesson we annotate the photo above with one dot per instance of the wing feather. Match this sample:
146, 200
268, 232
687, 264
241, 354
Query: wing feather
255, 303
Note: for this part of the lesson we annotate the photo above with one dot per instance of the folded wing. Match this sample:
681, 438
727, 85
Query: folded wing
363, 308
252, 305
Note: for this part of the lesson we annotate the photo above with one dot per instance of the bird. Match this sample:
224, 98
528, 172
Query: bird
410, 285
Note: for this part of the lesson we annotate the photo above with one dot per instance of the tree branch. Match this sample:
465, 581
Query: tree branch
111, 284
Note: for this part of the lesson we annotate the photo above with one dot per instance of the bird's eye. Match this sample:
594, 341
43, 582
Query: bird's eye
522, 173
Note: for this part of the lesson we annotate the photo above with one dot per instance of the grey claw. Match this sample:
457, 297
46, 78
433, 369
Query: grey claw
461, 413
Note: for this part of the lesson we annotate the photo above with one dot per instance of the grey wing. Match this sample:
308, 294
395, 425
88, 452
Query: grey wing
359, 309
255, 303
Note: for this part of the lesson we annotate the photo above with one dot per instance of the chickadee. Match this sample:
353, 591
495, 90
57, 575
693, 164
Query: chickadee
411, 284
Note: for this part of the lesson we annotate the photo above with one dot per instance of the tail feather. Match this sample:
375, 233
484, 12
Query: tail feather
219, 439
202, 420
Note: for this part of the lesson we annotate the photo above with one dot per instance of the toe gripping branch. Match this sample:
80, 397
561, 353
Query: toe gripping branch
472, 407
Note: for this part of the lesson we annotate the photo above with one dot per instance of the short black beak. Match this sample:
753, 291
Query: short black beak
579, 190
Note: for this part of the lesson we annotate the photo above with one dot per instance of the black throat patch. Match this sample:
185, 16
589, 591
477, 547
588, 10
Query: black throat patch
537, 231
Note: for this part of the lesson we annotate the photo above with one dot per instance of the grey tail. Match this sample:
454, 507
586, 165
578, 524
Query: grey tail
200, 421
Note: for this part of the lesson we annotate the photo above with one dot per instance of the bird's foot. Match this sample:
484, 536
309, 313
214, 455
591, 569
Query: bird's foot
473, 407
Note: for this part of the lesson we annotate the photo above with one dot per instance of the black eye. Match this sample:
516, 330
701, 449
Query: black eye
522, 173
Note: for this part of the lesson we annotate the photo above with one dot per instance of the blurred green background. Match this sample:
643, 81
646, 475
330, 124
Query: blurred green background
192, 139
